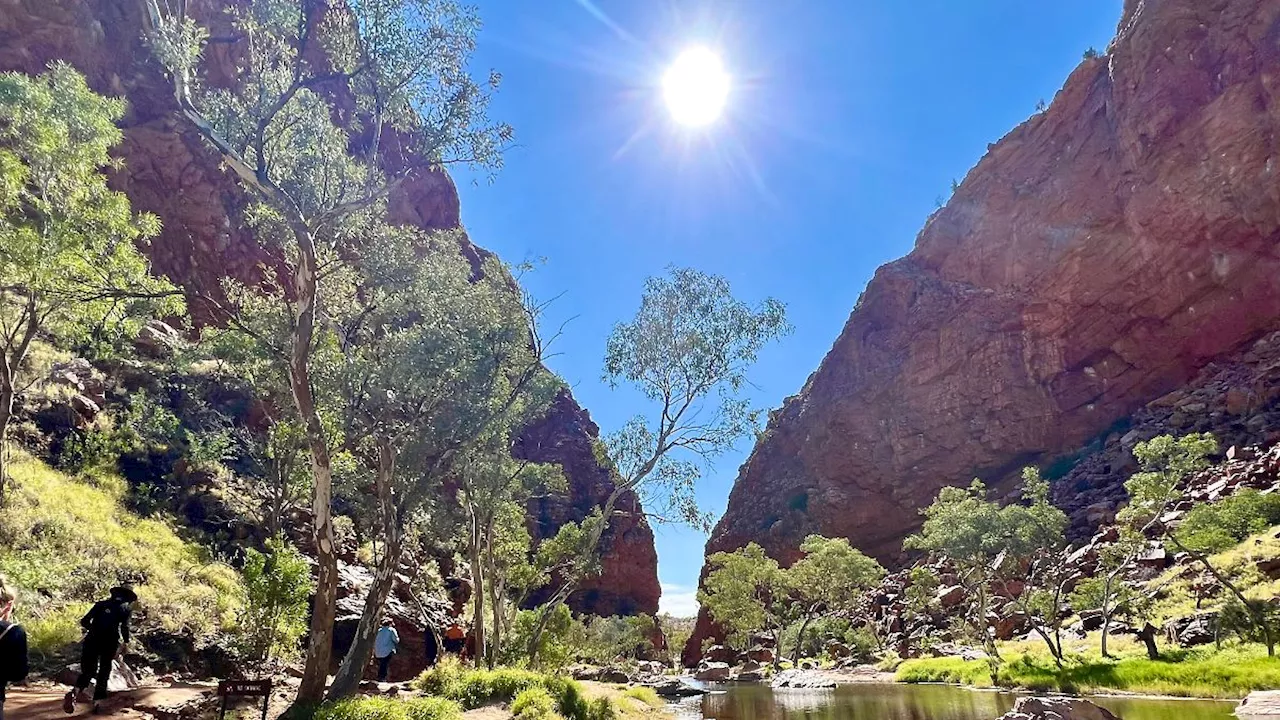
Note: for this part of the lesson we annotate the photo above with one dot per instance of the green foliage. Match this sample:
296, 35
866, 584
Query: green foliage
1214, 527
474, 688
1200, 672
534, 703
1165, 462
605, 640
555, 648
383, 708
278, 585
69, 263
644, 694
687, 349
64, 543
1091, 53
745, 592
832, 574
1243, 620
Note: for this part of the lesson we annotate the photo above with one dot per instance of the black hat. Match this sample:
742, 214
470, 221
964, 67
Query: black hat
124, 594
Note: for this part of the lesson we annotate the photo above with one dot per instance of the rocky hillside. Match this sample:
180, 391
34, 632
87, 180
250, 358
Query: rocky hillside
1097, 258
169, 172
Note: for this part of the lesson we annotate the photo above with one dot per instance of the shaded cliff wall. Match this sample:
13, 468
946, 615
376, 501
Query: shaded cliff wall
168, 171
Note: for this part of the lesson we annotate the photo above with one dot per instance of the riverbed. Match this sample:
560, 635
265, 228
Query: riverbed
875, 701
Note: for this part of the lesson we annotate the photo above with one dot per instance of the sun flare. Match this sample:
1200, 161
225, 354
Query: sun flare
695, 87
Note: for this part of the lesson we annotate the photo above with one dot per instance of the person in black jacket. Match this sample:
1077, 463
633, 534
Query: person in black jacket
13, 644
106, 632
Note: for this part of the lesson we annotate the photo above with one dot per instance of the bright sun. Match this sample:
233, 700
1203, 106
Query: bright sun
695, 87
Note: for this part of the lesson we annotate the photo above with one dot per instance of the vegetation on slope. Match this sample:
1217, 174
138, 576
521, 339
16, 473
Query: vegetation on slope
65, 542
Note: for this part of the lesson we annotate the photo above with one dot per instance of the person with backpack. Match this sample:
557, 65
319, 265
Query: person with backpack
106, 633
385, 644
13, 644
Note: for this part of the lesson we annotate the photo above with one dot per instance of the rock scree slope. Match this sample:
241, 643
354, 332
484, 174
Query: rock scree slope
168, 171
1095, 259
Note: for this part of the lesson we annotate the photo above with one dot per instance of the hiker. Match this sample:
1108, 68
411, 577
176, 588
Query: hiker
13, 644
385, 644
455, 639
106, 632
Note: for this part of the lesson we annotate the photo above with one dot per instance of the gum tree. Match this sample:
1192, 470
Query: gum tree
829, 581
335, 106
687, 351
70, 266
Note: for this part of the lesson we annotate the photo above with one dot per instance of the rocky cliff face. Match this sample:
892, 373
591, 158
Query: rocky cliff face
168, 171
1097, 258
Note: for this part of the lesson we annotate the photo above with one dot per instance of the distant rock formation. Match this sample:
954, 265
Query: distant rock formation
168, 171
1096, 259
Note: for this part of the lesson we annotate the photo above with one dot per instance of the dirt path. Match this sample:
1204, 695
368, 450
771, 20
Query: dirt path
145, 703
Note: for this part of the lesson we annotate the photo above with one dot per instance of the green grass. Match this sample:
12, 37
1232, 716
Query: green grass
646, 695
1199, 672
534, 703
65, 542
474, 688
381, 708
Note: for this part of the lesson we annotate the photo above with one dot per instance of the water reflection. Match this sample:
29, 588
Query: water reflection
912, 702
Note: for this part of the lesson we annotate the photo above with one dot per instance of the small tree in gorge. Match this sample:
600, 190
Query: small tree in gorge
397, 70
984, 541
1167, 461
747, 592
687, 351
829, 581
69, 266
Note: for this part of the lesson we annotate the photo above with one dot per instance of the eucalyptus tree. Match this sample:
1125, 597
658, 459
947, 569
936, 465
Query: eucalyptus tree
334, 106
831, 580
1166, 462
746, 592
687, 352
70, 265
985, 541
438, 367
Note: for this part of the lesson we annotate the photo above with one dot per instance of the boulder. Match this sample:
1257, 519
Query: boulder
713, 672
718, 654
613, 675
1058, 708
802, 679
122, 676
1269, 567
1192, 630
749, 676
1260, 704
158, 339
675, 688
951, 596
760, 654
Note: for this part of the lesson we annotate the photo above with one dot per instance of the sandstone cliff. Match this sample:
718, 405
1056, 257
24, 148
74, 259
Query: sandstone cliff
169, 172
1097, 258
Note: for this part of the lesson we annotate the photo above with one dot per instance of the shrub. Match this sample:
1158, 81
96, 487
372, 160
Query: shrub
1218, 526
277, 585
473, 688
644, 694
380, 708
534, 703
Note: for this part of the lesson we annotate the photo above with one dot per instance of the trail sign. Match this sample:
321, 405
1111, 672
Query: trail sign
228, 689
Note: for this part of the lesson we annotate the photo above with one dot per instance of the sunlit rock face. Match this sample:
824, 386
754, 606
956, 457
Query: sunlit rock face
1097, 258
167, 170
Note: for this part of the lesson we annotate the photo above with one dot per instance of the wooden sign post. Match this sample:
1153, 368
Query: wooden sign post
228, 689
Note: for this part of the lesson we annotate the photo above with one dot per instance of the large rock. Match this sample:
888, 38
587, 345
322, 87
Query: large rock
1260, 704
1095, 259
1035, 708
713, 672
167, 170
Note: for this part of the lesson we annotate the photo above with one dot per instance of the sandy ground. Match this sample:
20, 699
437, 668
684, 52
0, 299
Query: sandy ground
145, 703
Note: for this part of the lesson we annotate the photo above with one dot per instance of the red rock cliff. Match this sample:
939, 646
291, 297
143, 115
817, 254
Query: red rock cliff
168, 171
1095, 259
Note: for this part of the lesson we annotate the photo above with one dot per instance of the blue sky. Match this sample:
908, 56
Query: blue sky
846, 121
